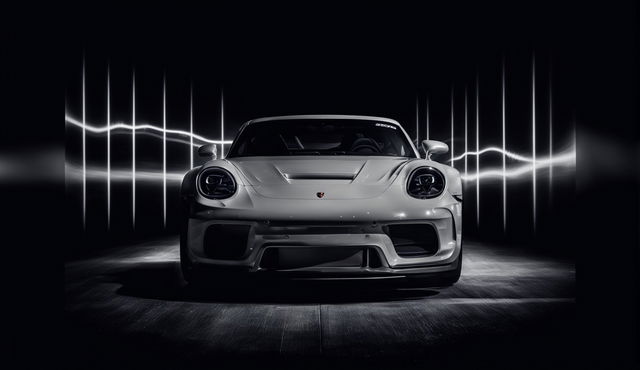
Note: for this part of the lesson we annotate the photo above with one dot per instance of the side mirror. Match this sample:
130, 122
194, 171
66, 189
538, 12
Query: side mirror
434, 147
209, 150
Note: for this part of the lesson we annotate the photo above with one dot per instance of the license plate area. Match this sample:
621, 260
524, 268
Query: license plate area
291, 258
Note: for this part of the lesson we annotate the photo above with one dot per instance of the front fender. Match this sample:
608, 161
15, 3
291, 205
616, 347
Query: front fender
188, 187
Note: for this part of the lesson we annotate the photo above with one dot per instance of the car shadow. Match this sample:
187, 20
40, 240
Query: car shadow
163, 281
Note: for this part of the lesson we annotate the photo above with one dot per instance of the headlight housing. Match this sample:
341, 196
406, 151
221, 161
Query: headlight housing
216, 183
425, 183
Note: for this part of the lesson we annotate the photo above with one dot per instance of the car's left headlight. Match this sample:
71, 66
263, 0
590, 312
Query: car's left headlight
425, 183
216, 183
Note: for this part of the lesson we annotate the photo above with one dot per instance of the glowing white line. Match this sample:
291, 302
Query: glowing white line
533, 138
84, 151
122, 174
191, 126
222, 122
550, 134
133, 150
567, 159
427, 118
478, 150
118, 126
108, 148
573, 134
452, 125
504, 151
490, 149
164, 151
417, 121
466, 129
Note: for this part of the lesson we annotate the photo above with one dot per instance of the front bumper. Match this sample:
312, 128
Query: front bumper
379, 258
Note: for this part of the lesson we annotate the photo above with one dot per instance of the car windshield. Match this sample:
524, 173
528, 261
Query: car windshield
322, 137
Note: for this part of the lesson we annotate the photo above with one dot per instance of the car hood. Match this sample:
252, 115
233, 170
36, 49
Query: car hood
304, 177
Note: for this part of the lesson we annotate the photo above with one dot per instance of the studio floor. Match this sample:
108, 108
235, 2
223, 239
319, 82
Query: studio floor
128, 307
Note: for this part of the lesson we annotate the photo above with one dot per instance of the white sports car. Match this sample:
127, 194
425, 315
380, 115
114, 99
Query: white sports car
323, 197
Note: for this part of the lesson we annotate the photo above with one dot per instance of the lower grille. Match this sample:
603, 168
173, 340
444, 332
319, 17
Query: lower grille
413, 240
226, 242
288, 258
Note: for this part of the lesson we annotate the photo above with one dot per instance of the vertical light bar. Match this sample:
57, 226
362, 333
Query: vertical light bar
191, 126
222, 122
477, 150
466, 131
164, 150
533, 137
452, 164
108, 148
427, 118
550, 134
133, 150
417, 121
574, 123
504, 148
84, 150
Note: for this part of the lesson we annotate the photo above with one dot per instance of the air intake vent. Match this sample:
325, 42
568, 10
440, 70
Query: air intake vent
226, 242
413, 240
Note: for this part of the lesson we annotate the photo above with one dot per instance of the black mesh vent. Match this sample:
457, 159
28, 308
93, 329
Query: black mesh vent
311, 257
226, 242
374, 258
413, 240
269, 259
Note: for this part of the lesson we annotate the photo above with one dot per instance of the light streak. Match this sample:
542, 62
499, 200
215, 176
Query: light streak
550, 134
133, 150
222, 122
417, 121
490, 149
573, 132
567, 159
466, 129
154, 134
84, 151
478, 150
191, 126
504, 151
452, 126
108, 148
122, 174
138, 127
533, 138
164, 151
427, 118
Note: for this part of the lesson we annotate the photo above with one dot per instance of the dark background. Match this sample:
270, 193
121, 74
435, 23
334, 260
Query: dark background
346, 64
362, 59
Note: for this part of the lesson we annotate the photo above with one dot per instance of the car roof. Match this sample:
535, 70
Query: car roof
324, 116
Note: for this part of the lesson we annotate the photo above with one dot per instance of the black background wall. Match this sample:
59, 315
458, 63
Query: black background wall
252, 49
348, 64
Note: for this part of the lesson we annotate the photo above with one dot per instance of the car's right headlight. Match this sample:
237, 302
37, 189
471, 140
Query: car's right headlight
216, 183
425, 183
